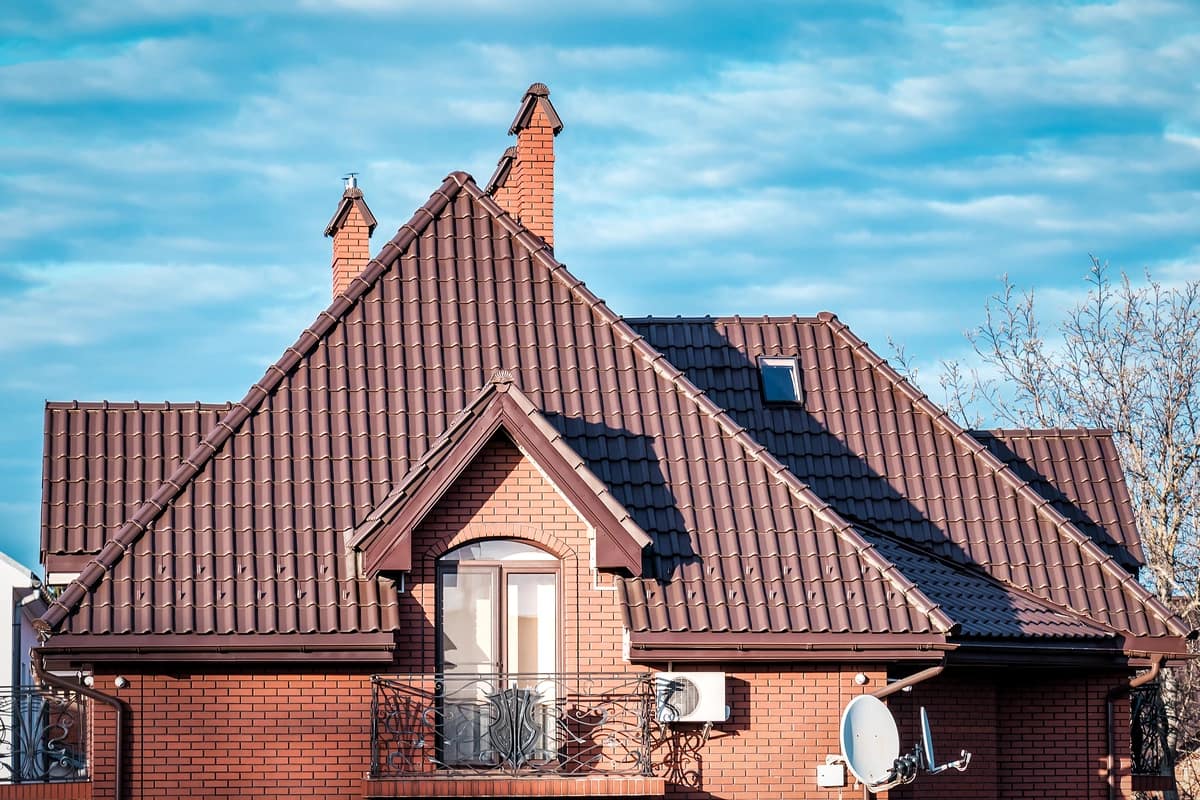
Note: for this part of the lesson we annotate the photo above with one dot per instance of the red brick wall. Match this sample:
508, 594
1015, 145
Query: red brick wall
1031, 734
306, 733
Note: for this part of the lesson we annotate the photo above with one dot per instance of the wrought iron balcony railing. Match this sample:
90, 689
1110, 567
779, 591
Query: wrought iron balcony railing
519, 724
42, 735
1149, 738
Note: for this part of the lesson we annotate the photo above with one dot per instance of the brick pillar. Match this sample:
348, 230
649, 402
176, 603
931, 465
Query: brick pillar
351, 229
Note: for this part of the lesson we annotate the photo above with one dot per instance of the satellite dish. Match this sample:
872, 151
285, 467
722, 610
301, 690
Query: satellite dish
870, 741
871, 747
927, 742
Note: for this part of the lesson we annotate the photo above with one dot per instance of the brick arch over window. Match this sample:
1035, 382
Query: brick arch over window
534, 534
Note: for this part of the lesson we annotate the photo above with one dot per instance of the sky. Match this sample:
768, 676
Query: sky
167, 168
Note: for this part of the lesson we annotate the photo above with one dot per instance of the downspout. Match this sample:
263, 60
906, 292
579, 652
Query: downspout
911, 680
1109, 723
38, 662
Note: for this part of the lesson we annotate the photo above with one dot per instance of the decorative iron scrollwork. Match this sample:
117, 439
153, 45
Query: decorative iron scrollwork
564, 724
1149, 732
42, 735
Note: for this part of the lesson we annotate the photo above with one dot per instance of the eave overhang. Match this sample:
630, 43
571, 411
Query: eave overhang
705, 646
384, 539
70, 650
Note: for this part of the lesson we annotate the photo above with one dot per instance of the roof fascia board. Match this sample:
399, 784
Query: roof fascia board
363, 647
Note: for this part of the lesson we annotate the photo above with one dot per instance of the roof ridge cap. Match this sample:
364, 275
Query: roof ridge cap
659, 362
172, 486
941, 418
1064, 433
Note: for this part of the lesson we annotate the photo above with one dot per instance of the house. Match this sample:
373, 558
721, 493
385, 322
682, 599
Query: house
451, 542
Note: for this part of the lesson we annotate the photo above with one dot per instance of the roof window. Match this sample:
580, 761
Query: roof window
780, 379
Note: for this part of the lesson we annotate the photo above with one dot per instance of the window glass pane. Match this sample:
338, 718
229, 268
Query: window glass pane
469, 620
779, 380
531, 622
498, 550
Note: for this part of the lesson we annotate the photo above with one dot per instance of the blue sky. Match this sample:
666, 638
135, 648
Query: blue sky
167, 169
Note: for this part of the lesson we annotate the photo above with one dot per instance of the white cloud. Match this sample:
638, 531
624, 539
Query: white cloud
84, 303
146, 69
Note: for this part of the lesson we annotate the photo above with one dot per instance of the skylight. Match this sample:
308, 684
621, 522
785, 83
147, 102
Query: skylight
780, 380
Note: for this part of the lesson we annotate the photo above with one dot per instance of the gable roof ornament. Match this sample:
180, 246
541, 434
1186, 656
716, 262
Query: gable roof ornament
384, 539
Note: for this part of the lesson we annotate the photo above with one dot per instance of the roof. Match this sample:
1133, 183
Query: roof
228, 544
764, 521
1080, 473
879, 451
101, 459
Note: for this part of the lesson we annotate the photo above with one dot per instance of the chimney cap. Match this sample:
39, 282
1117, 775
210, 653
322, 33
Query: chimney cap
352, 197
503, 168
537, 94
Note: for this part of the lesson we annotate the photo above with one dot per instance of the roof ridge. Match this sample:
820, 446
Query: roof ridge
134, 405
659, 362
1012, 433
941, 418
738, 318
170, 488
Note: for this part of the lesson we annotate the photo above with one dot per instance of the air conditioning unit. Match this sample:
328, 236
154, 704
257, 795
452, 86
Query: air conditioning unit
690, 697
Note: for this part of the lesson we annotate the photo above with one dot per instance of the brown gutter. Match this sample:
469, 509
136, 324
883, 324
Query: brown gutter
46, 677
911, 680
1109, 723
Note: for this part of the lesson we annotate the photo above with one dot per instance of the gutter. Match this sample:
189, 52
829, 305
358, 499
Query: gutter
1110, 700
44, 676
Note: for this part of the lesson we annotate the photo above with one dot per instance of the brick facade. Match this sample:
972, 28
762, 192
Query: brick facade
1030, 734
275, 733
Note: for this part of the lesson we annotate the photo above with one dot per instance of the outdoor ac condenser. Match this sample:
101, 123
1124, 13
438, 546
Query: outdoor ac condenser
690, 697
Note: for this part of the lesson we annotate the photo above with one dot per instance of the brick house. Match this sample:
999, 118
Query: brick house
446, 542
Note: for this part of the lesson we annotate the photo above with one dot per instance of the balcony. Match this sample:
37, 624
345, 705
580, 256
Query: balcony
43, 738
581, 734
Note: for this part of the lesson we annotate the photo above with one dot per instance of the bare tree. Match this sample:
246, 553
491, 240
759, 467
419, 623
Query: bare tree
1127, 358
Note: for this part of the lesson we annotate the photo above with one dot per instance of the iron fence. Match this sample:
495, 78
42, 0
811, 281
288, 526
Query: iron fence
563, 724
43, 735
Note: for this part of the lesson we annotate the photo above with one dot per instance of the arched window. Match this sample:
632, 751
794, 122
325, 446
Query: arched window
498, 609
497, 619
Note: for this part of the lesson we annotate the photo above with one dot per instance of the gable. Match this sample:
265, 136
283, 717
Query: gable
385, 537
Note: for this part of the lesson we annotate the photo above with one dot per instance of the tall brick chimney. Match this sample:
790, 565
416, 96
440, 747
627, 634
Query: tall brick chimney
351, 229
524, 180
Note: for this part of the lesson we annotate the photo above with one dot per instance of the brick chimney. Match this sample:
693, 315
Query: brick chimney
351, 229
524, 180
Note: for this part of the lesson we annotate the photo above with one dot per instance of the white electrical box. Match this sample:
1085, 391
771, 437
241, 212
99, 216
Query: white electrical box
831, 776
